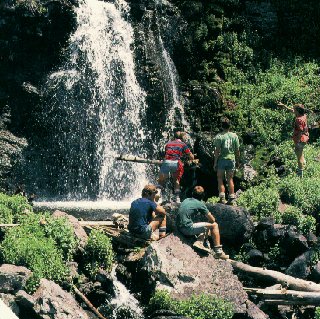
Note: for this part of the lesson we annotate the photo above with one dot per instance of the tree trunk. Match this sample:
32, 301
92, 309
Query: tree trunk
275, 276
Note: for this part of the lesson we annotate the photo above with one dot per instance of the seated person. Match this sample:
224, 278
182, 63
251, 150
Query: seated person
146, 216
189, 209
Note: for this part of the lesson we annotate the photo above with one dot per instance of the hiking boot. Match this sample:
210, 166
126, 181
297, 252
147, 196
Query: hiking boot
206, 244
218, 253
231, 200
222, 198
199, 245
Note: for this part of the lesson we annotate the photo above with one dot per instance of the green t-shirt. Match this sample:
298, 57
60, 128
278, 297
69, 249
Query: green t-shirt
189, 210
228, 143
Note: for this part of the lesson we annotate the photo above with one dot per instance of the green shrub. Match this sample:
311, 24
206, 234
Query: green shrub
261, 201
203, 306
98, 253
17, 204
35, 251
6, 216
317, 313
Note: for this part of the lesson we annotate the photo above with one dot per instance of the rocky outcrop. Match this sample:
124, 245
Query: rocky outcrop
51, 301
13, 278
235, 224
175, 266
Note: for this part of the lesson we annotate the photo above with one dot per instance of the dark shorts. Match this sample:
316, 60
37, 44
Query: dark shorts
145, 234
226, 165
300, 145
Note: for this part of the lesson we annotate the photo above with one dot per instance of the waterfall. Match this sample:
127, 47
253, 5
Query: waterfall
123, 298
95, 108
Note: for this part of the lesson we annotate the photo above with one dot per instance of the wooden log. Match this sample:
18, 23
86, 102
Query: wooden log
285, 296
87, 302
137, 159
275, 276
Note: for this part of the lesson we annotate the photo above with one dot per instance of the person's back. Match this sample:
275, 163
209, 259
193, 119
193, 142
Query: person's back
189, 209
140, 214
229, 144
175, 149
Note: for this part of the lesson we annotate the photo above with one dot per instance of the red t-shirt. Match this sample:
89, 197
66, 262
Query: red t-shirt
300, 126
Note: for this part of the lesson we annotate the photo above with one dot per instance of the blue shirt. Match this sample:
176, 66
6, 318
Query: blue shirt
140, 214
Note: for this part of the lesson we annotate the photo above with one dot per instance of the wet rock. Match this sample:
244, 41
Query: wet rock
13, 278
24, 300
176, 267
255, 257
300, 267
235, 224
51, 301
315, 273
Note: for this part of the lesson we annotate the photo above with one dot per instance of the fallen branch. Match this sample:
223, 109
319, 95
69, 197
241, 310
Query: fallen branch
137, 159
88, 303
276, 276
285, 296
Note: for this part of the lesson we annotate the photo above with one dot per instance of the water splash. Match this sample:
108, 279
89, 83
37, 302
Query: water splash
96, 106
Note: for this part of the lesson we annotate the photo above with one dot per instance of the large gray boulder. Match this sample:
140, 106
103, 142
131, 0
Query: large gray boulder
234, 222
52, 302
176, 267
13, 278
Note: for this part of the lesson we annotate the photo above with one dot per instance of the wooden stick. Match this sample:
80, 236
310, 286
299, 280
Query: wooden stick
276, 276
137, 159
87, 302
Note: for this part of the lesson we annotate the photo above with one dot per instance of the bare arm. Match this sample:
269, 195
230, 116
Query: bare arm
191, 156
210, 217
160, 210
286, 107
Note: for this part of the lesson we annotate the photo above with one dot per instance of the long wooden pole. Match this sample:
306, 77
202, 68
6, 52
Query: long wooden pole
276, 276
137, 159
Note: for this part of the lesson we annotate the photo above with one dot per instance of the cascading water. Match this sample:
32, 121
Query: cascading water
95, 108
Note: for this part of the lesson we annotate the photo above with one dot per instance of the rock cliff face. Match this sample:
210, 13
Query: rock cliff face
32, 36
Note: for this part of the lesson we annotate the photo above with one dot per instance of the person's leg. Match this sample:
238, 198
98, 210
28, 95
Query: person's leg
298, 149
231, 196
159, 222
221, 188
176, 177
162, 179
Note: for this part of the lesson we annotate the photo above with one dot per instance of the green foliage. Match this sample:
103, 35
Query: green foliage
261, 200
6, 216
203, 306
317, 313
41, 243
18, 206
98, 253
33, 6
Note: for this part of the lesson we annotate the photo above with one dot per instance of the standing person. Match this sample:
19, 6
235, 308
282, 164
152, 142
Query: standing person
174, 151
189, 210
226, 159
300, 134
146, 216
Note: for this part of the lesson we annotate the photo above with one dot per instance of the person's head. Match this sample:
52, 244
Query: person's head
149, 191
198, 192
180, 135
299, 109
225, 123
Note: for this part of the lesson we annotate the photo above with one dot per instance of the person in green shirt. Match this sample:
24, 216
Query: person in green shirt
193, 208
226, 159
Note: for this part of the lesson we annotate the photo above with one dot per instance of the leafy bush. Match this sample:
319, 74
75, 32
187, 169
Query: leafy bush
261, 200
203, 306
98, 253
6, 216
317, 313
17, 204
35, 251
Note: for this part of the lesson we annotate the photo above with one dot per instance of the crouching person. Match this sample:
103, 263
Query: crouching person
189, 209
146, 216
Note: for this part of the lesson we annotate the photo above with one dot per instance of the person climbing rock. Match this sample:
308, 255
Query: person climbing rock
146, 216
189, 210
226, 160
300, 134
172, 164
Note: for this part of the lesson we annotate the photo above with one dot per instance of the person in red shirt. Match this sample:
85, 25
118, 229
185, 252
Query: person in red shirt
300, 133
172, 164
